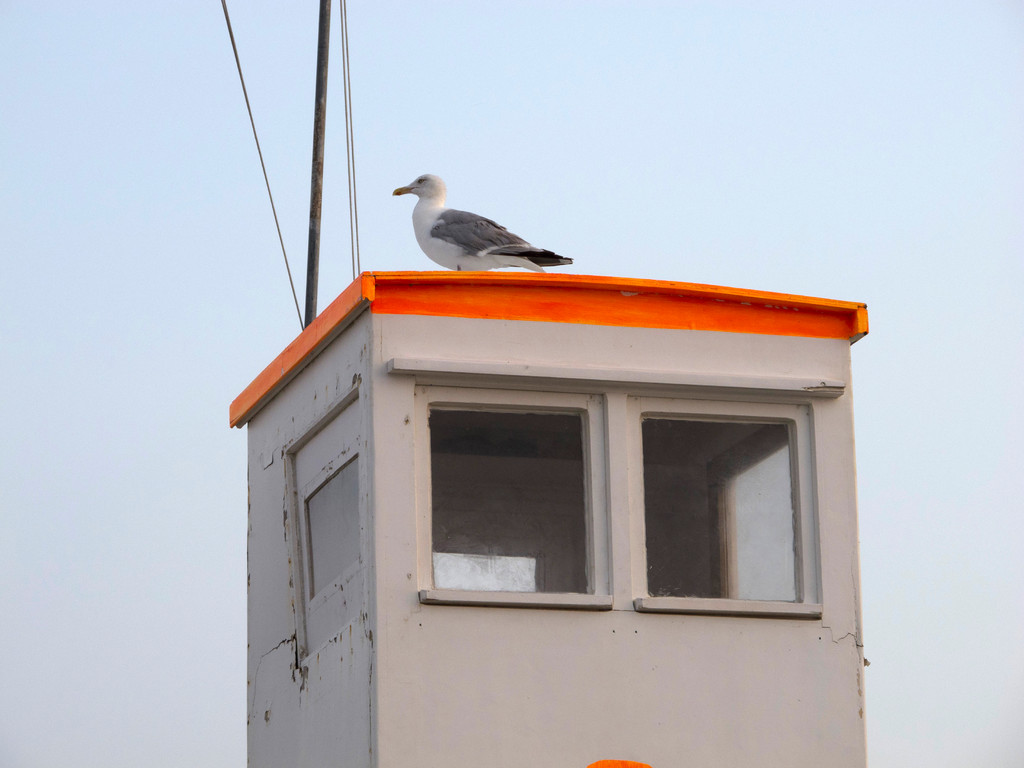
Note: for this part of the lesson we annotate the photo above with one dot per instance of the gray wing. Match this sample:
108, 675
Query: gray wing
473, 233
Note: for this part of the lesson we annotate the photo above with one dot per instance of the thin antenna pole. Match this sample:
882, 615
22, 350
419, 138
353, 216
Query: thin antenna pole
317, 180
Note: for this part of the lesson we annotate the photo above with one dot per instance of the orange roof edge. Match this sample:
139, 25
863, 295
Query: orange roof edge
603, 282
302, 350
589, 299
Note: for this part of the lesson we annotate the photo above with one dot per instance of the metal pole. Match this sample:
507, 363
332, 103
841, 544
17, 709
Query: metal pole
317, 182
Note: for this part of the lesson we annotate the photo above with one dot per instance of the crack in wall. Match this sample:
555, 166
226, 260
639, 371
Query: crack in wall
856, 640
256, 672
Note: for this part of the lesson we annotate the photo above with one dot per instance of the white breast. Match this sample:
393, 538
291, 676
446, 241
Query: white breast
424, 215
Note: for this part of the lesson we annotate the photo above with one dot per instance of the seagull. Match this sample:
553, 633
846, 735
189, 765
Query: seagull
464, 241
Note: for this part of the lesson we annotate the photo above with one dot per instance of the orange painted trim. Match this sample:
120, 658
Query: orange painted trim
586, 299
303, 349
599, 300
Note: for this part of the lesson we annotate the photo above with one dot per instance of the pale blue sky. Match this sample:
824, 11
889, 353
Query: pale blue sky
869, 151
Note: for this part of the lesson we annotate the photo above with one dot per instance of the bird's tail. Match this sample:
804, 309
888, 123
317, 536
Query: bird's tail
537, 256
547, 258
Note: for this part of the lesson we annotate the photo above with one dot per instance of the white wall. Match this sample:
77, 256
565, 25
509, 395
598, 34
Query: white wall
469, 685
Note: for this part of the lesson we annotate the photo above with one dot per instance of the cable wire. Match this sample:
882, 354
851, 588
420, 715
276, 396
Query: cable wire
252, 122
350, 145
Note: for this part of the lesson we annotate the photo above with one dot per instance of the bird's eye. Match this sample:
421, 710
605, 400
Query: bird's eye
421, 179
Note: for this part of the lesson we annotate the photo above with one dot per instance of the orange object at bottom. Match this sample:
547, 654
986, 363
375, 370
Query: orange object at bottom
618, 764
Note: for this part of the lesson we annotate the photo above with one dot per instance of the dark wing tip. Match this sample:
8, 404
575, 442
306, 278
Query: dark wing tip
538, 256
547, 258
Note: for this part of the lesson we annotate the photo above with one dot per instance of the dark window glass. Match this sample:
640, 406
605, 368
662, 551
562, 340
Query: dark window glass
333, 515
508, 501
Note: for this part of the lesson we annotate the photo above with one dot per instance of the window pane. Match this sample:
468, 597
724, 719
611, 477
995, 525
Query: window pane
333, 514
508, 501
718, 505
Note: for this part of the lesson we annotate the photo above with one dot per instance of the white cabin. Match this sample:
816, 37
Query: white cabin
536, 519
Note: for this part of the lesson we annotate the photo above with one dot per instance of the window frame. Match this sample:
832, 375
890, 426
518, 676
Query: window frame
807, 555
333, 442
614, 477
592, 410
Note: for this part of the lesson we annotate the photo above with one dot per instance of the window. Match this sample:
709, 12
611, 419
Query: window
508, 501
727, 507
514, 510
332, 514
324, 509
712, 501
718, 509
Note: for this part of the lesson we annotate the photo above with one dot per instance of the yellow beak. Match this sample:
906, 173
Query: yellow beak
402, 191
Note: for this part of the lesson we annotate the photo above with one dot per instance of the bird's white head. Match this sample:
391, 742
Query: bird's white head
426, 187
